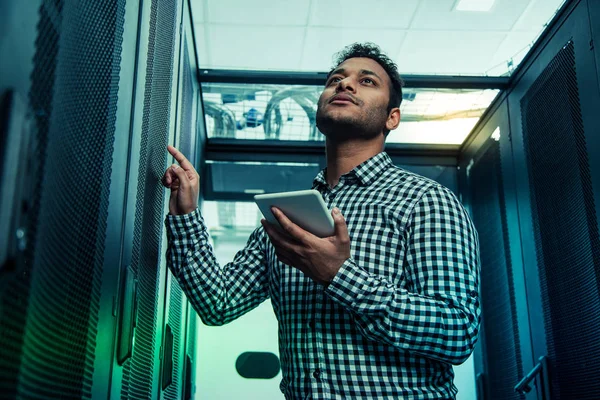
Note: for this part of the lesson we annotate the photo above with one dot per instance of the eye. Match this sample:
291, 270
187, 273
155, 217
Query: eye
368, 81
334, 79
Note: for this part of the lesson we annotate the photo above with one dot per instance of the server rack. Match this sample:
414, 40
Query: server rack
550, 182
88, 106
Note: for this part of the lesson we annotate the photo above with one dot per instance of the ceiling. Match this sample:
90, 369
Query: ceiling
422, 36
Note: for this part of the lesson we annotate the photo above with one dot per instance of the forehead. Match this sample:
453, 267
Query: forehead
357, 64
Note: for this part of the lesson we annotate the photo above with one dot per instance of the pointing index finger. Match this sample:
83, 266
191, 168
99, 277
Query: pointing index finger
185, 164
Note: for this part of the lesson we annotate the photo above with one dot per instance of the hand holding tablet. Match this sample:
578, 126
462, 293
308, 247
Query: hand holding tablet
305, 208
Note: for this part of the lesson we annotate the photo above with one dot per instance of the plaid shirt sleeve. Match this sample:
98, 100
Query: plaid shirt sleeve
219, 295
437, 312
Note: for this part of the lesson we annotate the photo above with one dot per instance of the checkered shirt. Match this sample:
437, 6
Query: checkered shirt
400, 311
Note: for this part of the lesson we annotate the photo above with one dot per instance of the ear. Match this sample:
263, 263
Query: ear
393, 119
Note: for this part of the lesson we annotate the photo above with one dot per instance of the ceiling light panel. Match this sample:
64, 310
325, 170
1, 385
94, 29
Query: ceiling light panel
441, 15
474, 5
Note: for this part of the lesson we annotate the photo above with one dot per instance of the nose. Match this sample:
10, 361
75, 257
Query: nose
345, 85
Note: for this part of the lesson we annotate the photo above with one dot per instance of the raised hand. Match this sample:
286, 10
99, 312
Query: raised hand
184, 182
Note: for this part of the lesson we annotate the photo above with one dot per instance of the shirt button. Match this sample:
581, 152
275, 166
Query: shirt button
311, 324
317, 373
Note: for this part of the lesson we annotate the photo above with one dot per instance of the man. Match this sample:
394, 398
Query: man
383, 308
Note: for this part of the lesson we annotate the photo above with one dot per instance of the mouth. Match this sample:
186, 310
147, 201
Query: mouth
342, 99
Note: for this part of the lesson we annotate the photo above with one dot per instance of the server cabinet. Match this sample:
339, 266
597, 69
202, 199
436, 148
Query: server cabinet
190, 358
176, 380
137, 360
17, 139
488, 187
553, 108
171, 380
540, 225
57, 312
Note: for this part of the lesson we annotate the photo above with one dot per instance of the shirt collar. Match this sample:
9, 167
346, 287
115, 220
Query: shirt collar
366, 172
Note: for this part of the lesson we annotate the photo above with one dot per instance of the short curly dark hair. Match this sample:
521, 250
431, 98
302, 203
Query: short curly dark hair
372, 51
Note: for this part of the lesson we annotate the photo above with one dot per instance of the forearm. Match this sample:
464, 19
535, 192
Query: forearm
438, 326
219, 295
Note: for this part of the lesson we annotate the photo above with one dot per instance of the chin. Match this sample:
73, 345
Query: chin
344, 129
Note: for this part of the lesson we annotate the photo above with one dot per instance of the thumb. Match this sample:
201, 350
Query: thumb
184, 180
340, 227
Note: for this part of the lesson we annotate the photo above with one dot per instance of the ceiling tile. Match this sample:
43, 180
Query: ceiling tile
441, 15
258, 12
359, 14
197, 11
252, 47
201, 49
322, 43
427, 36
448, 52
539, 13
515, 44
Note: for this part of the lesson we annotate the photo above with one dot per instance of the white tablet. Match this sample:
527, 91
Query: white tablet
305, 208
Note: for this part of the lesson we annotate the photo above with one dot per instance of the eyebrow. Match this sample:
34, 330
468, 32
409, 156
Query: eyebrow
362, 72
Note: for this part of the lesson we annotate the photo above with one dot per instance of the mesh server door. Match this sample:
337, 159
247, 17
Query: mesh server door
505, 349
503, 364
189, 373
174, 342
52, 307
16, 153
137, 361
173, 368
555, 108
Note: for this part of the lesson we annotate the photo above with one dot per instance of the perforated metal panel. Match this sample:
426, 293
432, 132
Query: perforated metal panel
74, 94
187, 96
14, 296
174, 390
503, 357
138, 373
190, 355
565, 227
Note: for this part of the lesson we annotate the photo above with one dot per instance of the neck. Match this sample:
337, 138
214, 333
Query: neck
343, 157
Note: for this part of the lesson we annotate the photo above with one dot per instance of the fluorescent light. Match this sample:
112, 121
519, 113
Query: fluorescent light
474, 5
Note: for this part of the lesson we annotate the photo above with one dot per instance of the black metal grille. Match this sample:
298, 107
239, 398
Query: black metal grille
565, 227
74, 90
174, 391
40, 97
14, 296
503, 356
138, 373
191, 339
187, 96
190, 355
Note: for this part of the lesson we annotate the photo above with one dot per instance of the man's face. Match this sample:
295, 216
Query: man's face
354, 102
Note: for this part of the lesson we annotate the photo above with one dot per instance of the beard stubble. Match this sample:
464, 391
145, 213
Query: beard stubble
366, 124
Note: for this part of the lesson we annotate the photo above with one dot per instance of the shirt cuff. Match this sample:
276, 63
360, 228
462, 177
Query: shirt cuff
350, 284
186, 225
